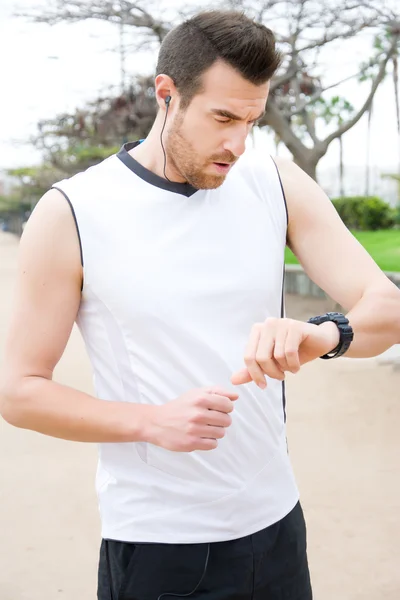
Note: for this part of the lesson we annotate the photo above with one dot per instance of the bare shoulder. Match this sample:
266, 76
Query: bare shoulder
324, 246
307, 202
50, 239
48, 290
284, 163
51, 213
292, 175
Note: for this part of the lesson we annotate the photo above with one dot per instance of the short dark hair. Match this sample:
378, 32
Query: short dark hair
195, 45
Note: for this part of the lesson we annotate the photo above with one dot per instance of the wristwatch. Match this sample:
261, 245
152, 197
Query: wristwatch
345, 331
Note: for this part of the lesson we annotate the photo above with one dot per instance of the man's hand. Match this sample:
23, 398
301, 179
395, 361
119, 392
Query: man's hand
194, 421
280, 345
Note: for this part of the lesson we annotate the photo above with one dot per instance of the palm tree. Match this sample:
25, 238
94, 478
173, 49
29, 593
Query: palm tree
368, 161
338, 109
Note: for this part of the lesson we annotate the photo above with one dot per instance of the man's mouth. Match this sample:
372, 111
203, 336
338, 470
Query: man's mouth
222, 167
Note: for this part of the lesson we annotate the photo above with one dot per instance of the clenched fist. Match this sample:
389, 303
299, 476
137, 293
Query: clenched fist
280, 345
194, 421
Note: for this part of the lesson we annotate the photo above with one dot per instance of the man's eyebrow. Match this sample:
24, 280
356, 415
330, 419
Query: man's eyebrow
228, 115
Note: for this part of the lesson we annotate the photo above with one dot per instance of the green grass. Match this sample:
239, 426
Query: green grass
383, 246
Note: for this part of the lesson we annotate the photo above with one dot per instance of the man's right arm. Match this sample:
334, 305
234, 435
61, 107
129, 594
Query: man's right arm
48, 294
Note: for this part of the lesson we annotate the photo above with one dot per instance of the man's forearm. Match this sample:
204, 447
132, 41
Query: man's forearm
375, 320
50, 408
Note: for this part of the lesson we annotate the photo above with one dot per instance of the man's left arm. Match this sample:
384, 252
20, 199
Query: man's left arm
337, 263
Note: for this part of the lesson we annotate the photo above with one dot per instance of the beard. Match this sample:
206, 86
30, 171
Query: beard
187, 162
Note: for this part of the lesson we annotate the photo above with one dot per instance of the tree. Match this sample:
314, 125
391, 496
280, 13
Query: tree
305, 29
336, 110
310, 27
395, 177
369, 73
73, 142
368, 162
14, 210
31, 183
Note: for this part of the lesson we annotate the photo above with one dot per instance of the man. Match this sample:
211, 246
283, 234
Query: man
170, 257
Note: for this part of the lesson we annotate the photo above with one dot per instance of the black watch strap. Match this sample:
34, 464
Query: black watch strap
345, 331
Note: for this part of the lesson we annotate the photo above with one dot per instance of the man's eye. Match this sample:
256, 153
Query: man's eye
223, 121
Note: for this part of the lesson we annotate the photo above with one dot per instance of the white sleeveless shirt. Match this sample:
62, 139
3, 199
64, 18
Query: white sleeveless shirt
174, 279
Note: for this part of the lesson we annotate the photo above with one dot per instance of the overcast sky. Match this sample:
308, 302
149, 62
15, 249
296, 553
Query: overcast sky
48, 70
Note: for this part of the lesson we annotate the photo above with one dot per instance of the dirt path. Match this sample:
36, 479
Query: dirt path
344, 423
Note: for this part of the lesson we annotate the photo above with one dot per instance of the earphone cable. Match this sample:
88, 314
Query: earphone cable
162, 143
172, 595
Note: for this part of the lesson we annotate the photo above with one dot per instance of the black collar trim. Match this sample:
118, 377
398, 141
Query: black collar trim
184, 189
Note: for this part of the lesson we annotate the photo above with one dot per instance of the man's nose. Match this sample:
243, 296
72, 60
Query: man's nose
236, 143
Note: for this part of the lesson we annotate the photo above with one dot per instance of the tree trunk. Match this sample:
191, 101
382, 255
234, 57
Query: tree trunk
341, 168
368, 165
306, 158
396, 96
308, 164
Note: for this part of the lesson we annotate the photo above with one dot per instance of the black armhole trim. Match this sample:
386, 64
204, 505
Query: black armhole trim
283, 279
76, 222
283, 193
282, 316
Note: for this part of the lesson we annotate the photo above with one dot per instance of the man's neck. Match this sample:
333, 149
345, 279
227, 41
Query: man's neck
151, 156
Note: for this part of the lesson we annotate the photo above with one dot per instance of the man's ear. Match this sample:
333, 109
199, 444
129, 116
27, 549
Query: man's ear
164, 89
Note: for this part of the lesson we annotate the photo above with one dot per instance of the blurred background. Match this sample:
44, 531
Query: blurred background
76, 81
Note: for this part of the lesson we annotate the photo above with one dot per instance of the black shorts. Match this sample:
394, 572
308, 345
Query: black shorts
268, 565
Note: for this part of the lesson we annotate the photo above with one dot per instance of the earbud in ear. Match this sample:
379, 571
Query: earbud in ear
168, 100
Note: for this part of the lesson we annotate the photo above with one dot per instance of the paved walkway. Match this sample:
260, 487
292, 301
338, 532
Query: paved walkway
344, 423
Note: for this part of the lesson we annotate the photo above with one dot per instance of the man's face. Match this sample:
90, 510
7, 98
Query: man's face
207, 138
